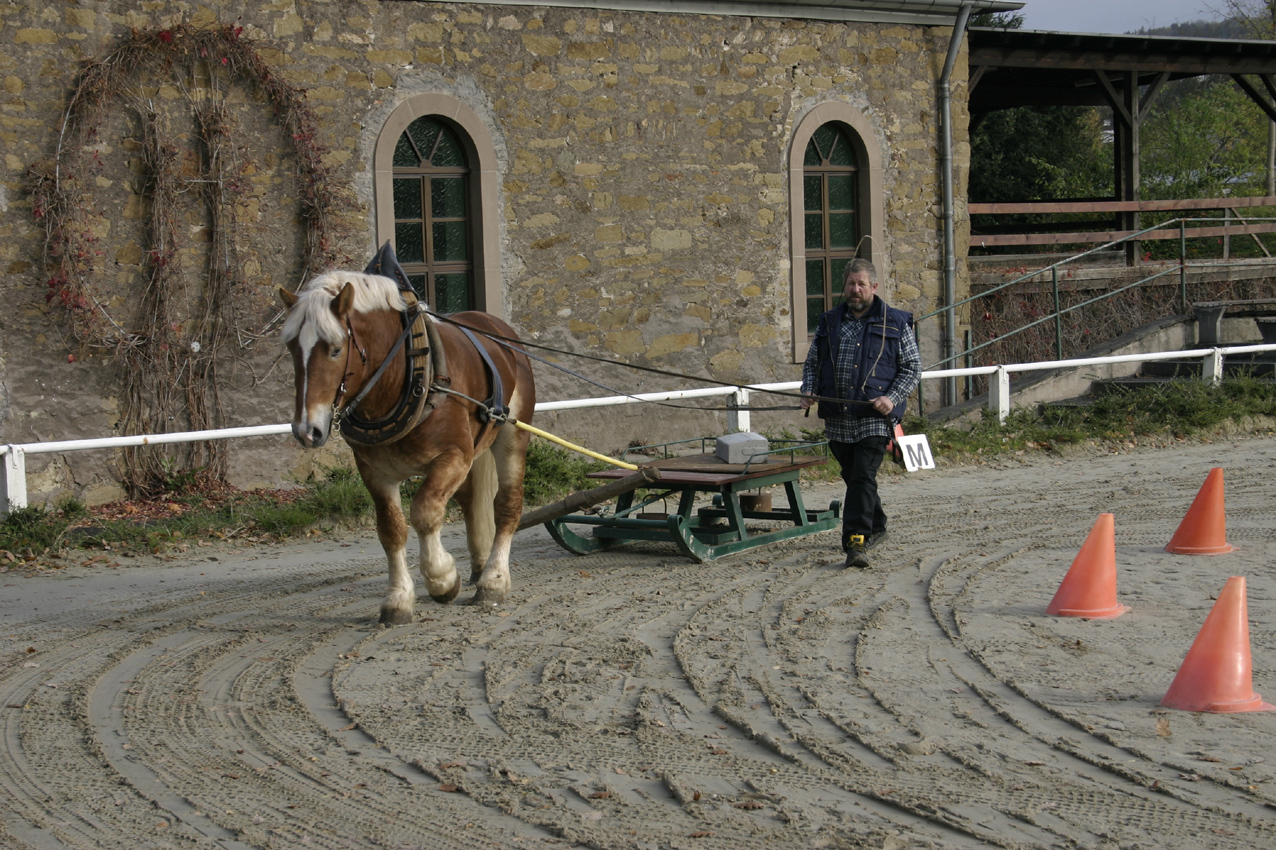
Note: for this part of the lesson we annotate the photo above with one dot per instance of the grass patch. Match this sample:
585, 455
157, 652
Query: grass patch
554, 472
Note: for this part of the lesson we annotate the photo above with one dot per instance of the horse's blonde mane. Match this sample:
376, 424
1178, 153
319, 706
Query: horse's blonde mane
312, 319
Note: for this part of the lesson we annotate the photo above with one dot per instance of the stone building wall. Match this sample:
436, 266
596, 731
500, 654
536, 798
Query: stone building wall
643, 209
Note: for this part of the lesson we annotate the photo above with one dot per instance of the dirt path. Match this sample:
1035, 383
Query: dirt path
634, 700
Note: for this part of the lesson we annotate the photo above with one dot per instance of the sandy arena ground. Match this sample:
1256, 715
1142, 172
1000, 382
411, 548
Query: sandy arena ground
246, 698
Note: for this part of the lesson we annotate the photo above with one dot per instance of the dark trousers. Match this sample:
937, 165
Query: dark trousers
862, 511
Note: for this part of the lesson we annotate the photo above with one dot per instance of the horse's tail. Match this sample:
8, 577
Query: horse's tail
483, 485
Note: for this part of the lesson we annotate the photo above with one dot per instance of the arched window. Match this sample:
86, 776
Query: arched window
836, 213
437, 196
830, 202
432, 214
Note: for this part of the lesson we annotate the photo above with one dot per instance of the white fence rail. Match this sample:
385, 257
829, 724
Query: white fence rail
13, 482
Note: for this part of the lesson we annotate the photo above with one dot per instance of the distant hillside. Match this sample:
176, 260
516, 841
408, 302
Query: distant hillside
1231, 28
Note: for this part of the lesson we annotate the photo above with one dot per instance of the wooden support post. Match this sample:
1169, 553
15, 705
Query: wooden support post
1212, 367
1130, 191
999, 393
13, 480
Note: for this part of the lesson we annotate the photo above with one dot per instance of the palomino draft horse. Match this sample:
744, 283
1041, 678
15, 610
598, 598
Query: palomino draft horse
416, 397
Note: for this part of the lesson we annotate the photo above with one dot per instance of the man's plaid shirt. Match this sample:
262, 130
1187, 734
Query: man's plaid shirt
852, 429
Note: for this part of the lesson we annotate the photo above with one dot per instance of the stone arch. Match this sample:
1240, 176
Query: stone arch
862, 134
484, 190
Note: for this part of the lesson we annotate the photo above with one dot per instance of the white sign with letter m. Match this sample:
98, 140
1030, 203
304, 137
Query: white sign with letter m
917, 453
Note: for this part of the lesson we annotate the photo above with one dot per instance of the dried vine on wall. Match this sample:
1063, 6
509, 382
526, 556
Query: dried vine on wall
170, 351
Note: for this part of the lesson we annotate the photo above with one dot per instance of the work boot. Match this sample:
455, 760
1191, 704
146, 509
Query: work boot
855, 554
875, 538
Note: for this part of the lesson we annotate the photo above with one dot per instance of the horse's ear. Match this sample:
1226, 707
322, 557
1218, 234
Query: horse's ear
343, 302
287, 298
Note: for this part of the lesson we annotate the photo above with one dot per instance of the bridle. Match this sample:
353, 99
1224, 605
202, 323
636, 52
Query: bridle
337, 410
426, 378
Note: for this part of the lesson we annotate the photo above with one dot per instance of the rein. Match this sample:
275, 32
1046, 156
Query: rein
521, 344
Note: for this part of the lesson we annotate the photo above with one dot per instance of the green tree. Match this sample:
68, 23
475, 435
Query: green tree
1258, 17
1203, 139
1034, 153
1005, 20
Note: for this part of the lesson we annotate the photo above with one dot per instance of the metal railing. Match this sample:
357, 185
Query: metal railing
1181, 268
13, 485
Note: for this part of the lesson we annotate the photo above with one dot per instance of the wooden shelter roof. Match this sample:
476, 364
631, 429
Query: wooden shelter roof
1037, 68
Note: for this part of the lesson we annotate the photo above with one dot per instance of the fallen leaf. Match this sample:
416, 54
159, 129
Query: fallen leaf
1163, 727
448, 787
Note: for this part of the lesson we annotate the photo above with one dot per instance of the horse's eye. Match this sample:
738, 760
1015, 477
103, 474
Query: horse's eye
336, 350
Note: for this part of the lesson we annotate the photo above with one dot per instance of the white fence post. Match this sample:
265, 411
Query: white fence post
738, 418
999, 393
1212, 368
13, 483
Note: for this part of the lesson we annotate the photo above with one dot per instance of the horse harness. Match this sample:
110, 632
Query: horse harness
426, 378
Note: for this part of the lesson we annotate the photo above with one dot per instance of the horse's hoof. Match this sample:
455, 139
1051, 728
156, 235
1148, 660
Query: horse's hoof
445, 598
488, 598
395, 618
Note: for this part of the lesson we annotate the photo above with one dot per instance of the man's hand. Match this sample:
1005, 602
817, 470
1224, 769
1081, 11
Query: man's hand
883, 405
807, 401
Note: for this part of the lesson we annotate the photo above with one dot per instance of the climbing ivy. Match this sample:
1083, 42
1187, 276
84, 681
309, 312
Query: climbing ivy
172, 341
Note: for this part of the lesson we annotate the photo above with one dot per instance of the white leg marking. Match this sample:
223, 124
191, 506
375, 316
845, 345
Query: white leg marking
402, 594
437, 564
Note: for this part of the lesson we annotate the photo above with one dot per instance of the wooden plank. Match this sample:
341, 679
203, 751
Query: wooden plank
712, 464
1112, 235
587, 498
1121, 206
1059, 59
1241, 303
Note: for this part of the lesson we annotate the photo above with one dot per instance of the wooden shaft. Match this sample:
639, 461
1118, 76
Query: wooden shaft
585, 498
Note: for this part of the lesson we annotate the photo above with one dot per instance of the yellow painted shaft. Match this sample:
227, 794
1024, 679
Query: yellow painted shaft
595, 455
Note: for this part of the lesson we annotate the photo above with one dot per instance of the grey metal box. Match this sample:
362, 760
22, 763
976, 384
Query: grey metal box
740, 447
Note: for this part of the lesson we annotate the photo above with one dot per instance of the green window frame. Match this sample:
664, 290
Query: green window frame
833, 226
433, 214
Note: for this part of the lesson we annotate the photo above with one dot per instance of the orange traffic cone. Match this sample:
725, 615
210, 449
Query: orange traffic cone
1216, 674
1204, 530
1089, 588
